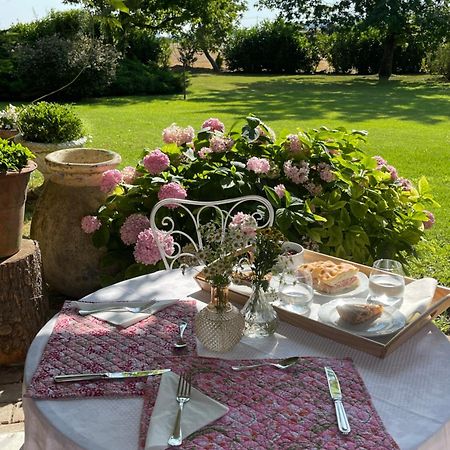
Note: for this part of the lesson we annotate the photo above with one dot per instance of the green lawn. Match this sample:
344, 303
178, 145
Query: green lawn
408, 120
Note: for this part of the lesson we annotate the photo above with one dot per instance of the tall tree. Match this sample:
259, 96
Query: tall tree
396, 19
209, 22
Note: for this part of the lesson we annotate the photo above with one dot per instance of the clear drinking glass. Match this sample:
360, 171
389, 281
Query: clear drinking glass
296, 291
386, 282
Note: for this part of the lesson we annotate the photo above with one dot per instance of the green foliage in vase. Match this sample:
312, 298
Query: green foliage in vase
265, 252
327, 193
13, 157
49, 123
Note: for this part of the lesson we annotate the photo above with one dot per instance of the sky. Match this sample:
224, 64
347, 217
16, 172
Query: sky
14, 11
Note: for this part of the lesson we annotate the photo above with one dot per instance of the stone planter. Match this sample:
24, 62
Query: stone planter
70, 260
41, 150
13, 193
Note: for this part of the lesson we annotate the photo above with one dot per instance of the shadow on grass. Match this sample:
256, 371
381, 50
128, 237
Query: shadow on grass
357, 98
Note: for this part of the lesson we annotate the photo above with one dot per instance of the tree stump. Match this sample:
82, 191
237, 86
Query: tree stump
23, 302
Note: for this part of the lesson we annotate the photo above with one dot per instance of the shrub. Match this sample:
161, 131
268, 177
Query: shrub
8, 118
328, 194
147, 48
439, 61
136, 78
276, 47
362, 51
52, 62
13, 157
49, 123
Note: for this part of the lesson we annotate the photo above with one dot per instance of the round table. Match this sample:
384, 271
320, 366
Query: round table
409, 388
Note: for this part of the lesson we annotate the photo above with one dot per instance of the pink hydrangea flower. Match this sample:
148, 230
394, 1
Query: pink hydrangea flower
280, 190
380, 161
214, 124
204, 151
89, 224
129, 174
393, 171
313, 189
404, 183
293, 143
258, 165
298, 174
171, 190
178, 135
245, 222
430, 222
146, 250
110, 179
133, 225
220, 144
156, 162
325, 172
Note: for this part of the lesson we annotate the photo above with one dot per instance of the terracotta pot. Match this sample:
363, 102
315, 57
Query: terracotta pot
41, 150
13, 193
70, 260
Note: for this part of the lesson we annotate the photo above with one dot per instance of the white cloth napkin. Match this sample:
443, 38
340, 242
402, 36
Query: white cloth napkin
124, 319
417, 297
199, 411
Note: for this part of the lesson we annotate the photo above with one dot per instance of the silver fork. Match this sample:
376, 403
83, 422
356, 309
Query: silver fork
183, 396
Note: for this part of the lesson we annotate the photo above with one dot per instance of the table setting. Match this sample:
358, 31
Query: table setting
131, 356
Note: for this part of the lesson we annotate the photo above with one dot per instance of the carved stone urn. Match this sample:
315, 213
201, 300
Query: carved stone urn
70, 260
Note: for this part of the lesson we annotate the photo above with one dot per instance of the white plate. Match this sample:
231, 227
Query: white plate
362, 288
389, 322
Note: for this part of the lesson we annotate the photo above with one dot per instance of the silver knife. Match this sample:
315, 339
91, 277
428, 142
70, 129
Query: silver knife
336, 395
108, 375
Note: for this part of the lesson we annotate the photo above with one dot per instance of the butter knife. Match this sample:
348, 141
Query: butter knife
108, 375
336, 395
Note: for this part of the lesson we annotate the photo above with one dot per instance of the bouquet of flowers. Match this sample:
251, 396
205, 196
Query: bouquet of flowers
222, 249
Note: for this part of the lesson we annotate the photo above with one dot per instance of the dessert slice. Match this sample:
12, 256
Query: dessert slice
331, 278
358, 313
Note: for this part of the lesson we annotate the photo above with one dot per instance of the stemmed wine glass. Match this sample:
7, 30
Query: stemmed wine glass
386, 282
296, 291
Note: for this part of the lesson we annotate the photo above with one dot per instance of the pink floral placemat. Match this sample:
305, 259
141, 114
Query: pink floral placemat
86, 345
278, 409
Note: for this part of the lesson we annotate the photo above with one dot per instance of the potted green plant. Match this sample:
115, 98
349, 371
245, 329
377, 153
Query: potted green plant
46, 127
8, 122
15, 169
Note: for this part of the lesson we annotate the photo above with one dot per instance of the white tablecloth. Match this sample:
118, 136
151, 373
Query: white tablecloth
409, 388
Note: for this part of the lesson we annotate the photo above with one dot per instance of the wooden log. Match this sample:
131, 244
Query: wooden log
23, 302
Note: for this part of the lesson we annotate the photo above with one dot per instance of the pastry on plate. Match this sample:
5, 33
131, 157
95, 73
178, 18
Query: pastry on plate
331, 278
358, 313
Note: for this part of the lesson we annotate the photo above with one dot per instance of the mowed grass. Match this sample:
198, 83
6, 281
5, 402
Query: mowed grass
408, 120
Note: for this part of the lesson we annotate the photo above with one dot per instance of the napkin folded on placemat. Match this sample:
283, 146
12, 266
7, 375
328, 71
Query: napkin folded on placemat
417, 297
198, 412
124, 319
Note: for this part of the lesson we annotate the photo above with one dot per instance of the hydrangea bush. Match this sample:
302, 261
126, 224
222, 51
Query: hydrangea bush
328, 194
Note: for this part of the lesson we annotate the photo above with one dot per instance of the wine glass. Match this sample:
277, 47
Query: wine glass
296, 291
386, 282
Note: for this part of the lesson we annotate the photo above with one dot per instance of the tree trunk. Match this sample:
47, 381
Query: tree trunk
23, 303
388, 57
211, 60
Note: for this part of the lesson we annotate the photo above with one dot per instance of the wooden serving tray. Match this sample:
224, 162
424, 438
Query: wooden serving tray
380, 346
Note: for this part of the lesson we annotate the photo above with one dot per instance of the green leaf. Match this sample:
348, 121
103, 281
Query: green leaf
358, 209
100, 237
424, 186
119, 5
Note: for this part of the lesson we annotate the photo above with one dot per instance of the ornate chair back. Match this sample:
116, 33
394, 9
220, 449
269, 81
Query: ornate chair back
182, 219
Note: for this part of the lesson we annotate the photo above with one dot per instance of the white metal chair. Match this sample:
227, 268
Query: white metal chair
200, 212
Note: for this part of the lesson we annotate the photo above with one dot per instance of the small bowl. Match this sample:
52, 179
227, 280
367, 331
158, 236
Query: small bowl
292, 257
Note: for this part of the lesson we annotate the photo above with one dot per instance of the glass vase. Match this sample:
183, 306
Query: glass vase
219, 326
260, 318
